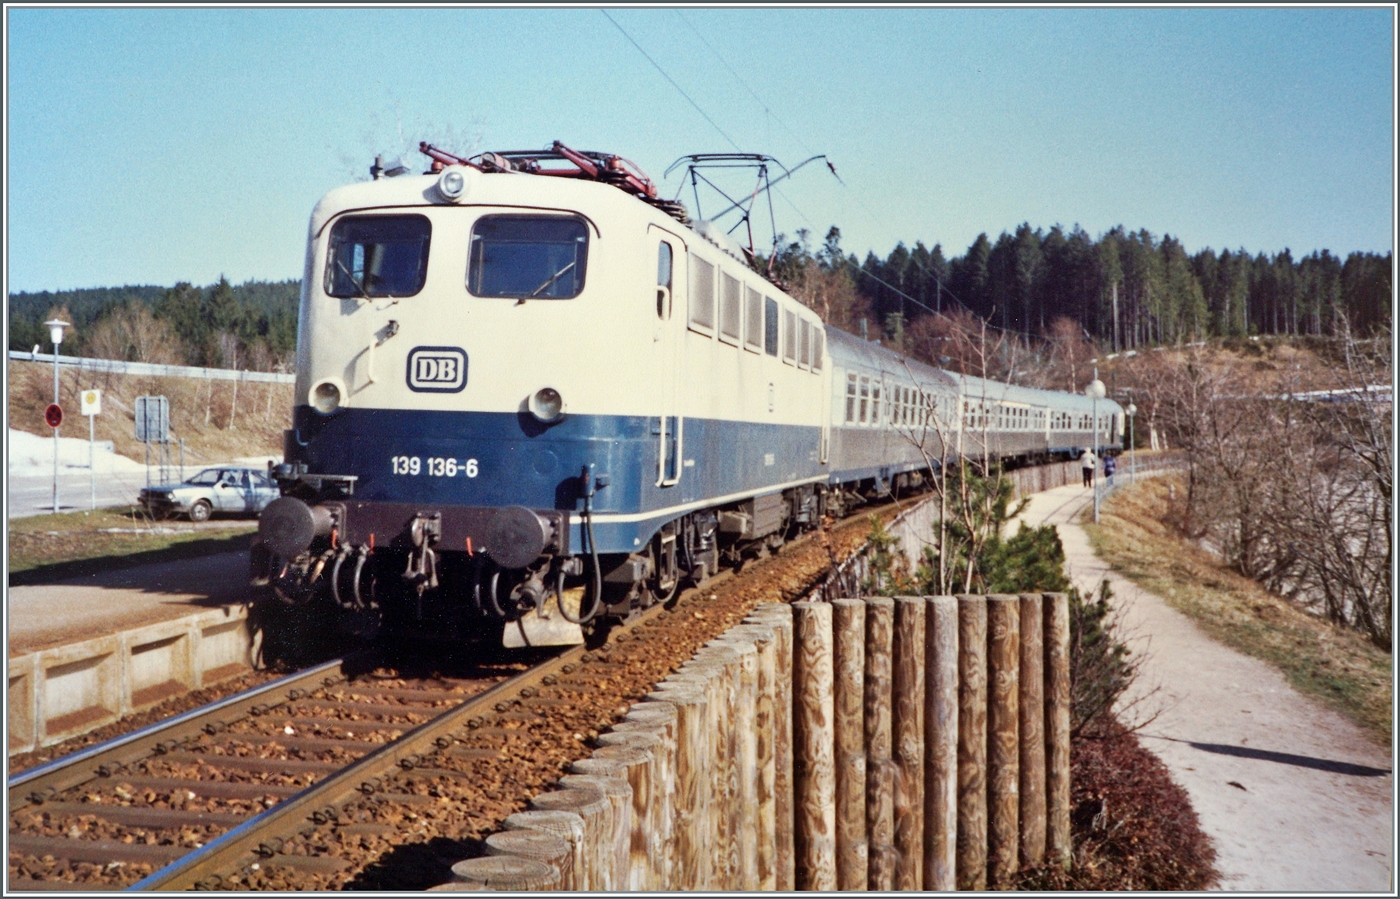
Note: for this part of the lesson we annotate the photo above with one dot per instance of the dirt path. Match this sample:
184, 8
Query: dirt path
1295, 796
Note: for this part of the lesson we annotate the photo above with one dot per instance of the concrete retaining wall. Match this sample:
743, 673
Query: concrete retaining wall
69, 690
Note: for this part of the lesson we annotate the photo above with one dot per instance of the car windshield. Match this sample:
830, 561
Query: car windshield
528, 257
206, 478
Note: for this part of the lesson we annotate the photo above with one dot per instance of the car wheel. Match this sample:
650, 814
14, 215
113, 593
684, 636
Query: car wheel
201, 510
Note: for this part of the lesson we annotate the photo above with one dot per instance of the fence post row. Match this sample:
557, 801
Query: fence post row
916, 743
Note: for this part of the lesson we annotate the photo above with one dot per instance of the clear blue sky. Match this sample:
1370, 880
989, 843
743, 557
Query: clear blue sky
157, 145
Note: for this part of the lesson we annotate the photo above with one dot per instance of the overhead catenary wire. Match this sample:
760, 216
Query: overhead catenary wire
672, 81
784, 197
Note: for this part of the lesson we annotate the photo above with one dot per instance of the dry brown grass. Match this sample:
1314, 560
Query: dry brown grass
254, 428
1337, 666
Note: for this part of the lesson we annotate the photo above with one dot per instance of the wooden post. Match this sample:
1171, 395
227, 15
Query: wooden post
744, 764
765, 819
879, 740
690, 858
538, 845
941, 745
500, 873
1004, 742
721, 665
592, 806
972, 743
637, 766
565, 825
852, 863
778, 616
814, 768
908, 723
615, 854
1057, 836
1032, 708
654, 717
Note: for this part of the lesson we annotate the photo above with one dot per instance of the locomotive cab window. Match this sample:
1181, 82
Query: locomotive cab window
528, 257
378, 256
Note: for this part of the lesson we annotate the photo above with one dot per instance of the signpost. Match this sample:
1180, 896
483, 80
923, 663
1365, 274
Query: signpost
92, 407
153, 426
53, 415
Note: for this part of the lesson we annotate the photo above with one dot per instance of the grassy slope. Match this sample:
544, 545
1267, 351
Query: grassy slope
1337, 666
46, 548
253, 428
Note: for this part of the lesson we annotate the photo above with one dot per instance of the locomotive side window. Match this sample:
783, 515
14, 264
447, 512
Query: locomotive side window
729, 319
753, 319
789, 336
770, 326
378, 256
663, 281
818, 335
702, 293
528, 257
804, 358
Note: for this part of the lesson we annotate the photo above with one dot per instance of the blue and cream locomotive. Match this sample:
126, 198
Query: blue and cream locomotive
526, 396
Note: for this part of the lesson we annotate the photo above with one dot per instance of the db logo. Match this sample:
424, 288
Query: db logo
437, 369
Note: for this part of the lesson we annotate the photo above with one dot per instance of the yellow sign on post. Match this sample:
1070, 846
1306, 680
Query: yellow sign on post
92, 407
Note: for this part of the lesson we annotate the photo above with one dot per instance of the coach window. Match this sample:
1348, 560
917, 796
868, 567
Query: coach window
753, 320
663, 281
702, 294
378, 256
864, 398
729, 314
528, 257
770, 326
850, 399
875, 403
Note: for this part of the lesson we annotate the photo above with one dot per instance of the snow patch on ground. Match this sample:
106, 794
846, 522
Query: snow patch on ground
31, 455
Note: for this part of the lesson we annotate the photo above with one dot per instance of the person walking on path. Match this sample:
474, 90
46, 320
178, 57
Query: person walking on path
1088, 462
1110, 465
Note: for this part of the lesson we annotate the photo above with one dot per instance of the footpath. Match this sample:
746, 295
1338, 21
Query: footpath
1294, 796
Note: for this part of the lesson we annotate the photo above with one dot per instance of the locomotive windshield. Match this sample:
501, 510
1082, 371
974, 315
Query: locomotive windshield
378, 256
528, 257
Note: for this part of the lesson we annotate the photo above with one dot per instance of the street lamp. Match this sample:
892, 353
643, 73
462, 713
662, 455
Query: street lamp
56, 335
1096, 391
1132, 443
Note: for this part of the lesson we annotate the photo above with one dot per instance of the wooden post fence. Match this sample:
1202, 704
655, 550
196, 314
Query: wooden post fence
917, 743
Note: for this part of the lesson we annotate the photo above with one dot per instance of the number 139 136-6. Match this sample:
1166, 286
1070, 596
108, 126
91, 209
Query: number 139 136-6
433, 466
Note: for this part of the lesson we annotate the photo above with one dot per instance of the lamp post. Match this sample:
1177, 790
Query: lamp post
1096, 391
1132, 443
56, 335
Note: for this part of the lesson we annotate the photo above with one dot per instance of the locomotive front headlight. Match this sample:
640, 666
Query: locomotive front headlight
547, 405
452, 184
326, 396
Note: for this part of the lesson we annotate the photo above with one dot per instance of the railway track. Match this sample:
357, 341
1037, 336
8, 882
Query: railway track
179, 799
345, 774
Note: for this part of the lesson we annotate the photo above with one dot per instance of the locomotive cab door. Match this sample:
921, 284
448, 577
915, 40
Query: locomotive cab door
670, 258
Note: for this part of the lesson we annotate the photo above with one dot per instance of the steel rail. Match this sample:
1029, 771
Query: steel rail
101, 760
259, 838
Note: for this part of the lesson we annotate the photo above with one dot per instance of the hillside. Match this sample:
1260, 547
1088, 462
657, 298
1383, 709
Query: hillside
203, 413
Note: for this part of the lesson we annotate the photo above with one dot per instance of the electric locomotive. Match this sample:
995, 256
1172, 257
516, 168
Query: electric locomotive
530, 393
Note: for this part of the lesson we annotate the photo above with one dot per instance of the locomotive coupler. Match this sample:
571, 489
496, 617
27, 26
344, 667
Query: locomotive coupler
424, 532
